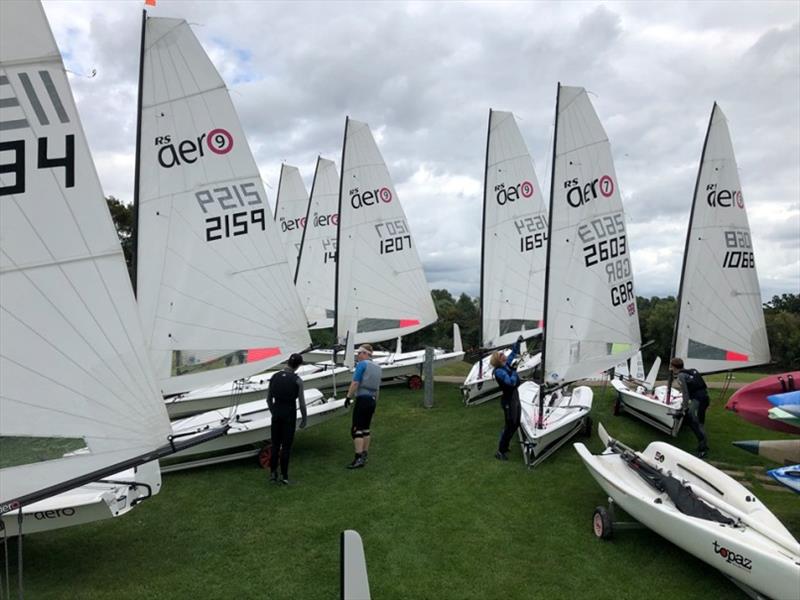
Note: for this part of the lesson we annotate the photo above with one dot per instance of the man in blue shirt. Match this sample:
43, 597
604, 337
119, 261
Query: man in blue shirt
364, 388
508, 380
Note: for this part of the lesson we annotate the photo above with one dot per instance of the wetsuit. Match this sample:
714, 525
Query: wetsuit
285, 387
696, 401
508, 380
368, 376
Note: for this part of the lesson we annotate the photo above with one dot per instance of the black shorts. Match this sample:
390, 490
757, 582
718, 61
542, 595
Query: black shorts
363, 410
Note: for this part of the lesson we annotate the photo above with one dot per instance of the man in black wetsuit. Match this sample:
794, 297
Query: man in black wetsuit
508, 379
285, 390
695, 401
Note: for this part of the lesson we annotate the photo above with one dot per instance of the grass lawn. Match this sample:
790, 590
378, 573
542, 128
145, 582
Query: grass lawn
439, 516
459, 368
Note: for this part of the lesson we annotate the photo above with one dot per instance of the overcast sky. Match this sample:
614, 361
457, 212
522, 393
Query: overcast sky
424, 76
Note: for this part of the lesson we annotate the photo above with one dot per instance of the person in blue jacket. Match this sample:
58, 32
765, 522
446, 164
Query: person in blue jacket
364, 388
507, 378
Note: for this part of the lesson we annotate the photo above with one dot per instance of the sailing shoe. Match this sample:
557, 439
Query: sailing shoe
701, 452
273, 477
365, 456
286, 481
501, 455
358, 462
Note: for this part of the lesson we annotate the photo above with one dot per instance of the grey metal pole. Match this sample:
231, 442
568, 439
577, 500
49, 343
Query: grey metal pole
428, 373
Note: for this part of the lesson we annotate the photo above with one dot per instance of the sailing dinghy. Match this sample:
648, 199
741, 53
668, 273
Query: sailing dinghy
380, 289
590, 317
698, 508
720, 323
291, 203
216, 294
82, 422
514, 248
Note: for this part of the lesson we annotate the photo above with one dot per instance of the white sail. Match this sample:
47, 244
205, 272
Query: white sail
721, 319
380, 281
75, 373
591, 321
515, 237
316, 268
290, 212
215, 291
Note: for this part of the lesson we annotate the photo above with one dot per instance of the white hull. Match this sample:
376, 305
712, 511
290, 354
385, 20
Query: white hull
651, 408
86, 504
763, 564
249, 428
408, 364
480, 385
565, 415
319, 376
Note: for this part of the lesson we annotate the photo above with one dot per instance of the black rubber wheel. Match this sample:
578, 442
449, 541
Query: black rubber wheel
415, 382
587, 427
264, 455
618, 405
601, 523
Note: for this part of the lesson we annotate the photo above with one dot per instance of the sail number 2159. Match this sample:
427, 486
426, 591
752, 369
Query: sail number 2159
238, 197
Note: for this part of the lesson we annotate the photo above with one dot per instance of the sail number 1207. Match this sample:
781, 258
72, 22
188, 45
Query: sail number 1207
394, 236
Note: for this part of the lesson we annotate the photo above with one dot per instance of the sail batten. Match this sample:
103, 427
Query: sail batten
215, 289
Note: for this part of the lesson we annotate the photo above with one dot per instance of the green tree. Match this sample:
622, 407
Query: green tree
785, 302
122, 215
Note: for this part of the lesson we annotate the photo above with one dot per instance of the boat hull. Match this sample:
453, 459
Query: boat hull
741, 553
480, 385
86, 504
566, 414
654, 408
751, 402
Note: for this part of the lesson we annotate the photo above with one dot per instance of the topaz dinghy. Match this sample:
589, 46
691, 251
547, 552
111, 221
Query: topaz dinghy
788, 401
82, 421
514, 248
590, 318
700, 509
720, 323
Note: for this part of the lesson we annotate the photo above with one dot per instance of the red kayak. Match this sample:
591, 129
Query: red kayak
750, 402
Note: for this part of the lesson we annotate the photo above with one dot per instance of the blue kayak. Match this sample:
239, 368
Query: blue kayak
788, 401
788, 476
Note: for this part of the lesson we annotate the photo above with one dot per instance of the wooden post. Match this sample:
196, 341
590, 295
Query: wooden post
428, 376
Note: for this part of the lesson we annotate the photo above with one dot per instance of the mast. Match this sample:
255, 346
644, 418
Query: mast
482, 341
305, 228
686, 251
137, 165
339, 245
278, 195
546, 317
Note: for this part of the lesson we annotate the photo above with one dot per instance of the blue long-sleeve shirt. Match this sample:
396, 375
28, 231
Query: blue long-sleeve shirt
505, 375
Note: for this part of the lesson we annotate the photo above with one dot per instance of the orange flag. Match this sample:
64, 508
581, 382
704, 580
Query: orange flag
150, 2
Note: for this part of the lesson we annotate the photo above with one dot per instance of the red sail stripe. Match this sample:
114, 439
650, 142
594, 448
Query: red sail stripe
408, 322
729, 355
256, 354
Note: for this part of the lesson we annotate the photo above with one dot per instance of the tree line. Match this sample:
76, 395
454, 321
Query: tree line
656, 316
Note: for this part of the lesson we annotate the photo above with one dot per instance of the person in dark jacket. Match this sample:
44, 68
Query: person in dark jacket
508, 380
283, 395
695, 401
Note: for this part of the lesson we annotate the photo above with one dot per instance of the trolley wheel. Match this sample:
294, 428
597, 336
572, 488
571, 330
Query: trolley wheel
601, 523
587, 427
415, 382
264, 455
617, 405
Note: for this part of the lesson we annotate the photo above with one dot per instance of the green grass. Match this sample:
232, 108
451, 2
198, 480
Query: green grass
738, 376
439, 516
459, 369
